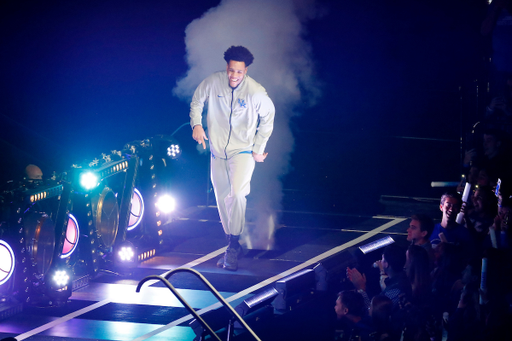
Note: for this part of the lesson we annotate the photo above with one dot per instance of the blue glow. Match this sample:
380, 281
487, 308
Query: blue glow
88, 180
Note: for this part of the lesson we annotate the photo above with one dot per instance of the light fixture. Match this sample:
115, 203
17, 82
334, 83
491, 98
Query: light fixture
7, 262
166, 203
173, 151
126, 254
89, 180
136, 210
72, 237
61, 278
367, 248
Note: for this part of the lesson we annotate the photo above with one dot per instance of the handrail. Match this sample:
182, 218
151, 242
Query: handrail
189, 308
181, 299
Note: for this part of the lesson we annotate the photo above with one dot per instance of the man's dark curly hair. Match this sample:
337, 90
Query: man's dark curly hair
239, 54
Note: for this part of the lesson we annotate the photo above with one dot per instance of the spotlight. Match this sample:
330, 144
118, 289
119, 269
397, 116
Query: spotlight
126, 254
173, 151
89, 180
61, 278
165, 145
166, 203
7, 262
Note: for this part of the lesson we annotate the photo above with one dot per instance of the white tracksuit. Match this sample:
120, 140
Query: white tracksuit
240, 121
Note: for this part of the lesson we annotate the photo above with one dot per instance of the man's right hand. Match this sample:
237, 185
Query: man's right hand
358, 279
199, 135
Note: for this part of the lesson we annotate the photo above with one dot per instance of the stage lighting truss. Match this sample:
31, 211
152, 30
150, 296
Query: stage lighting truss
36, 237
105, 210
147, 230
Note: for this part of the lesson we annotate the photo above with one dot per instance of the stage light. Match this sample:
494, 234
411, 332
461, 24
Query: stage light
61, 278
72, 237
173, 151
126, 254
7, 262
166, 204
136, 210
294, 289
89, 180
367, 248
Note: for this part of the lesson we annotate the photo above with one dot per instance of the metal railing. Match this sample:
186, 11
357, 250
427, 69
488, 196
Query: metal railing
165, 281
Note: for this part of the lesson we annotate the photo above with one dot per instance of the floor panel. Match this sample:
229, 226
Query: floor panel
110, 309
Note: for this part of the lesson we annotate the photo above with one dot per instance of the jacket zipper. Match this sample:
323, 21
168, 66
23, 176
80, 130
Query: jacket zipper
230, 127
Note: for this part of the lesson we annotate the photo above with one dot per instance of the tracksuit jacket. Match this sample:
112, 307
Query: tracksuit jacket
239, 120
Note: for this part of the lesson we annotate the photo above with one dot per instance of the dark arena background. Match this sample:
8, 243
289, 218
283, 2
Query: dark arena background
375, 101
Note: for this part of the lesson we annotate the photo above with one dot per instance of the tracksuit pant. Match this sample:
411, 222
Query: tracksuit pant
231, 180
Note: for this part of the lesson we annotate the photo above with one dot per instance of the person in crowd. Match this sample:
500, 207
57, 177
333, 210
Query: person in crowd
353, 320
465, 323
394, 282
449, 265
448, 230
495, 159
499, 235
417, 268
481, 215
419, 232
380, 313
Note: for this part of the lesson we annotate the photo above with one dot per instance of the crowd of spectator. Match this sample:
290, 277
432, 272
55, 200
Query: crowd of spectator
454, 281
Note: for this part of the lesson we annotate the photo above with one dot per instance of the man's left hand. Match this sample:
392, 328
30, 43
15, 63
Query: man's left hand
259, 157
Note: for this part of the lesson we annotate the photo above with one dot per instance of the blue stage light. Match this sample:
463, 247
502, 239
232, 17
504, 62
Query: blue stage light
89, 180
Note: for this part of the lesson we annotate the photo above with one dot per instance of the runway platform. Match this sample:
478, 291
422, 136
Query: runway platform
109, 308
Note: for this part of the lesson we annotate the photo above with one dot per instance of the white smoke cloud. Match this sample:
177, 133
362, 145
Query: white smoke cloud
274, 33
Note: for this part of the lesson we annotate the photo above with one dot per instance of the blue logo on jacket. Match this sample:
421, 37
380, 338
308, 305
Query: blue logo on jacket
242, 103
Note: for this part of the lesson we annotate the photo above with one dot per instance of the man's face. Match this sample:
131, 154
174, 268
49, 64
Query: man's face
340, 309
236, 72
491, 145
414, 231
450, 208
